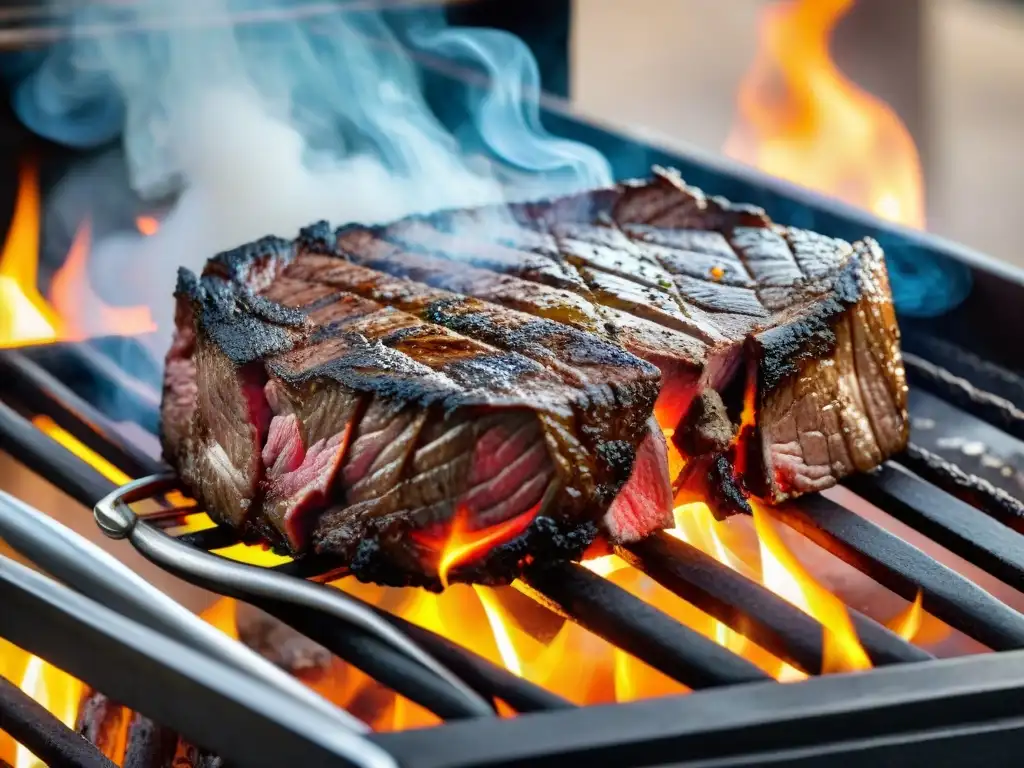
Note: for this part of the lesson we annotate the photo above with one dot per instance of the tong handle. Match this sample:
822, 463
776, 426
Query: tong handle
251, 583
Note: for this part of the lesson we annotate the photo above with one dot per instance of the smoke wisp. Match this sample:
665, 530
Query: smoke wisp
261, 128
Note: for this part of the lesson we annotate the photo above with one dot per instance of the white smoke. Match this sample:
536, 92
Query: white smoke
261, 128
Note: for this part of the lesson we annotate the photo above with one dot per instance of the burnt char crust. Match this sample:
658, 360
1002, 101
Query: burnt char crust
359, 369
546, 539
244, 326
809, 335
254, 264
583, 348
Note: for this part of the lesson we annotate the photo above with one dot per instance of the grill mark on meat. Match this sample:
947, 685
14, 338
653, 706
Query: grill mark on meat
417, 235
577, 357
768, 258
818, 256
724, 299
608, 250
695, 253
363, 248
598, 291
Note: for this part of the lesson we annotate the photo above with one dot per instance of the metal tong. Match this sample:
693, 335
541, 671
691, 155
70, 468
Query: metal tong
251, 583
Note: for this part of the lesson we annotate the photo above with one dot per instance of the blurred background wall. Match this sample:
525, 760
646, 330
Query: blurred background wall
674, 66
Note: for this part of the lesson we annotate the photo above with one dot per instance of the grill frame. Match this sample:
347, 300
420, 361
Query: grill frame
961, 709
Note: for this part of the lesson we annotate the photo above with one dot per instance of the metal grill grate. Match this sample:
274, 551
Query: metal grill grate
595, 603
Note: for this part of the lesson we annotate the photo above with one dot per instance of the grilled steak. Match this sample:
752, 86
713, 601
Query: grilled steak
359, 390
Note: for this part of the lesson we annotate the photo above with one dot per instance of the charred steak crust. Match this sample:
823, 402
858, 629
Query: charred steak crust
355, 387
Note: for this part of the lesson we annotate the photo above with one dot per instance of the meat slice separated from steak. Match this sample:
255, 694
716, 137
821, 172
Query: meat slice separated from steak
357, 425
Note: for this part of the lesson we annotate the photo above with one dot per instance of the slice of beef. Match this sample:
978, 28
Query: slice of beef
356, 424
832, 389
214, 414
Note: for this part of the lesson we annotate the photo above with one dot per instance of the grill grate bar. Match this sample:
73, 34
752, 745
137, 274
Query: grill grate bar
966, 365
996, 410
42, 392
974, 490
380, 661
100, 365
32, 725
636, 627
903, 568
957, 526
235, 715
49, 460
754, 611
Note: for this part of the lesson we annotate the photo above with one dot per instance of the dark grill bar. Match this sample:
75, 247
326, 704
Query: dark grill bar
638, 628
148, 671
31, 725
39, 390
957, 526
748, 608
991, 408
973, 490
966, 365
905, 569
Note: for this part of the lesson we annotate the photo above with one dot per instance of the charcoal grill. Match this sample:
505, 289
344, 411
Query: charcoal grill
910, 710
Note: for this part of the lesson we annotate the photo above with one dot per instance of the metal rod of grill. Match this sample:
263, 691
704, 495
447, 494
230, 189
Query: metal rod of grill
38, 389
751, 609
96, 361
991, 408
974, 490
32, 726
904, 569
966, 365
957, 526
636, 627
146, 670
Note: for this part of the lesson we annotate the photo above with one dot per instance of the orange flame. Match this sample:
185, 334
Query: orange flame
73, 311
61, 436
908, 623
147, 225
80, 308
801, 119
788, 578
25, 317
464, 544
57, 691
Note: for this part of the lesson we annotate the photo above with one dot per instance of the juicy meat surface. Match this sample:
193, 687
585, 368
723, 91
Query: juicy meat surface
356, 390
